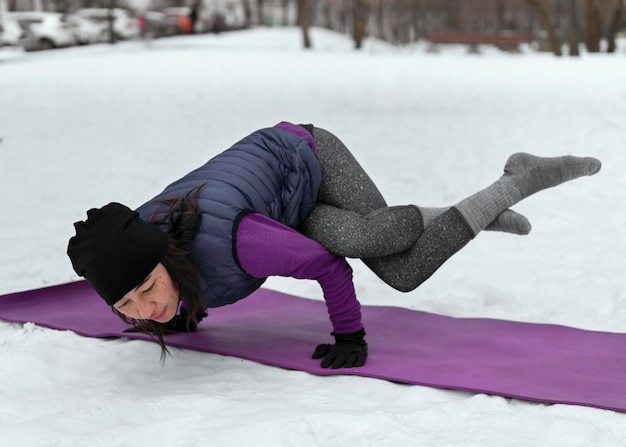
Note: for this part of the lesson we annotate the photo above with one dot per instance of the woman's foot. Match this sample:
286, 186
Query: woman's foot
531, 174
524, 175
510, 222
507, 222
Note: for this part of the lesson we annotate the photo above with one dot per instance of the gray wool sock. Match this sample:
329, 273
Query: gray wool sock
524, 175
508, 221
429, 214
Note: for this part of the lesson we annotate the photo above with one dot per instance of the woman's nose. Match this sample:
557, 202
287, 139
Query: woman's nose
145, 308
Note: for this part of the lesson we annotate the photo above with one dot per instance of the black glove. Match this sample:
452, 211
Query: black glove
349, 350
175, 325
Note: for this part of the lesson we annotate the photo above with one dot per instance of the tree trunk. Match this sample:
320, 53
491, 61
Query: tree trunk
62, 6
260, 7
573, 37
325, 16
285, 7
247, 12
112, 6
593, 26
545, 23
303, 21
380, 20
500, 15
415, 20
359, 26
615, 25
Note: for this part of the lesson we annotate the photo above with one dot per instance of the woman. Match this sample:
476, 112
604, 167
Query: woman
289, 200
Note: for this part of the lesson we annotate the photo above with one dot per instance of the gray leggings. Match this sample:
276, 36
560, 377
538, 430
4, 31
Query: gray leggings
352, 219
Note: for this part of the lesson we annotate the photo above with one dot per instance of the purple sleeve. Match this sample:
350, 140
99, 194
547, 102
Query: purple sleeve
268, 248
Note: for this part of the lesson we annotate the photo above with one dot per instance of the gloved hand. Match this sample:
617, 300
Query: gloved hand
349, 350
175, 325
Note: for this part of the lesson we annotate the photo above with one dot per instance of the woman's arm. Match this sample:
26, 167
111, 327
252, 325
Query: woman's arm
268, 248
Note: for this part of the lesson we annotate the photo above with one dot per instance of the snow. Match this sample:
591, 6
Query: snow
85, 126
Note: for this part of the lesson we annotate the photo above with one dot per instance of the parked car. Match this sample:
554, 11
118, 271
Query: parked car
233, 17
87, 31
28, 41
10, 31
157, 24
14, 34
180, 16
48, 29
125, 25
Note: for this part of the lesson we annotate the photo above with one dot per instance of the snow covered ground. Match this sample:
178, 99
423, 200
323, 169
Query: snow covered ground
85, 126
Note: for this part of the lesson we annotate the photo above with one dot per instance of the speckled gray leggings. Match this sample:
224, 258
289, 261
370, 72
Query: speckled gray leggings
352, 219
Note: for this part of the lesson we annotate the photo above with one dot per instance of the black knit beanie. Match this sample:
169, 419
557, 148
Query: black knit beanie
115, 250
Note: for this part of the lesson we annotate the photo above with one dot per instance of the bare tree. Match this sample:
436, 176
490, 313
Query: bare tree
594, 25
247, 11
285, 8
573, 35
544, 18
303, 21
615, 25
401, 21
260, 7
359, 25
324, 15
112, 6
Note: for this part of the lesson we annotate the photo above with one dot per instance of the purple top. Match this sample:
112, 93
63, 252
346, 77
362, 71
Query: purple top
268, 248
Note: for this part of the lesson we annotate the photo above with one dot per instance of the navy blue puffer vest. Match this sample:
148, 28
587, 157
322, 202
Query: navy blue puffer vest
272, 172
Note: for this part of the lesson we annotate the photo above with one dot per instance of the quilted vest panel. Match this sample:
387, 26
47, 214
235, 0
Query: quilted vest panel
272, 172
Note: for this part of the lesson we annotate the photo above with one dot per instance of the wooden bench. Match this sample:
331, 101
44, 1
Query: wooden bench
504, 40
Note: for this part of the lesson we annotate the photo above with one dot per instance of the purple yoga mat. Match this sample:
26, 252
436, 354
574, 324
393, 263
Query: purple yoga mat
537, 362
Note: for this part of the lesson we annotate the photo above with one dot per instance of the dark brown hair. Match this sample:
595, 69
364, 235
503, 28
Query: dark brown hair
182, 219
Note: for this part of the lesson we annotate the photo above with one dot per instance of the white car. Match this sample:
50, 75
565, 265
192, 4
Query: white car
125, 26
48, 28
10, 31
86, 30
14, 34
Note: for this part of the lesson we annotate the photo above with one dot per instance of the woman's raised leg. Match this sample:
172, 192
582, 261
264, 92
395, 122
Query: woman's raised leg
524, 175
353, 220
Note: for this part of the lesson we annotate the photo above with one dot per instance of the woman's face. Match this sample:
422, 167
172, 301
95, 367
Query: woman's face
155, 298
